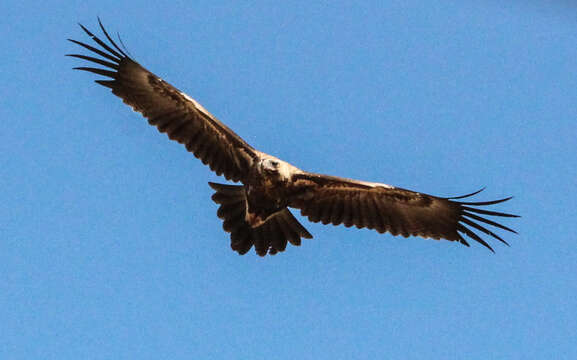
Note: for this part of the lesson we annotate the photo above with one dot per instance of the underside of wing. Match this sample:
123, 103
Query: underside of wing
333, 200
170, 110
269, 238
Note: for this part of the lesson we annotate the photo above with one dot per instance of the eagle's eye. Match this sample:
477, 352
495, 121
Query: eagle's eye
270, 165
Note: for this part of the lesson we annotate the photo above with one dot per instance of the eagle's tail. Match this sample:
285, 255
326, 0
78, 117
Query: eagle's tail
271, 237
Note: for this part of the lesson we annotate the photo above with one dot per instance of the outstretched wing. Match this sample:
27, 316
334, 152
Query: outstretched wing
385, 208
170, 110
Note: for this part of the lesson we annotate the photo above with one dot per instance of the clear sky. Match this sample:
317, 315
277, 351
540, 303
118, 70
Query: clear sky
110, 247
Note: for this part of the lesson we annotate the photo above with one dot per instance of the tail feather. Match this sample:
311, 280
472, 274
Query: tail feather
271, 237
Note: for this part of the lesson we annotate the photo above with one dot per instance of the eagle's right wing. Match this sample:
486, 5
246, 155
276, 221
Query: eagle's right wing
170, 110
385, 208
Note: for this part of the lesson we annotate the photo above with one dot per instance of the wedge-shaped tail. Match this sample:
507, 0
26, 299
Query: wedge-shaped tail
271, 237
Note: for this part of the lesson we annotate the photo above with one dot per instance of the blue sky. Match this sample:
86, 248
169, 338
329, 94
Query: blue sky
109, 243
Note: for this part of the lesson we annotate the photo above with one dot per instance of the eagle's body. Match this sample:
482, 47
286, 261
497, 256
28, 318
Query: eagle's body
268, 188
256, 213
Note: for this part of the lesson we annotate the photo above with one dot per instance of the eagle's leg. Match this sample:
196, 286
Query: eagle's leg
270, 237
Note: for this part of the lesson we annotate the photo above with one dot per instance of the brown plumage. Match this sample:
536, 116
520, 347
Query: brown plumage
256, 213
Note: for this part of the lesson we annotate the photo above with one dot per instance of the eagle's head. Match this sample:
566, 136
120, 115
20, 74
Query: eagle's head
276, 170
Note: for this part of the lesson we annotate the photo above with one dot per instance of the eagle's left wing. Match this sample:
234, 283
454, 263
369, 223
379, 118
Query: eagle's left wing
330, 199
169, 109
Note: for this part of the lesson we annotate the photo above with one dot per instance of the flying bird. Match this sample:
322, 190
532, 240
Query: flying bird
256, 213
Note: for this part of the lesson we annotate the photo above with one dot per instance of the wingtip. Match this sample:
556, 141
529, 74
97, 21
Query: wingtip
122, 53
85, 29
485, 244
467, 195
462, 241
100, 22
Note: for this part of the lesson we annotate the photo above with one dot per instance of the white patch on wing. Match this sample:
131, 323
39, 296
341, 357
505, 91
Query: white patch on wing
196, 103
381, 185
371, 184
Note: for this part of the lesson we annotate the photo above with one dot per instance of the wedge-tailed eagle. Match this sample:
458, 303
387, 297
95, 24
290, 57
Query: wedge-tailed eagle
256, 213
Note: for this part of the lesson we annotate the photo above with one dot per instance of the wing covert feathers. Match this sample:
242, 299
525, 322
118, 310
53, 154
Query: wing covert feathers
332, 200
271, 237
170, 110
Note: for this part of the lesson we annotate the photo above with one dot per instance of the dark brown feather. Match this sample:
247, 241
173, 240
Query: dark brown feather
395, 210
173, 112
271, 237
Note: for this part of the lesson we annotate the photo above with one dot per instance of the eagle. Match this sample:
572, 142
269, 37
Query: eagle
256, 212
